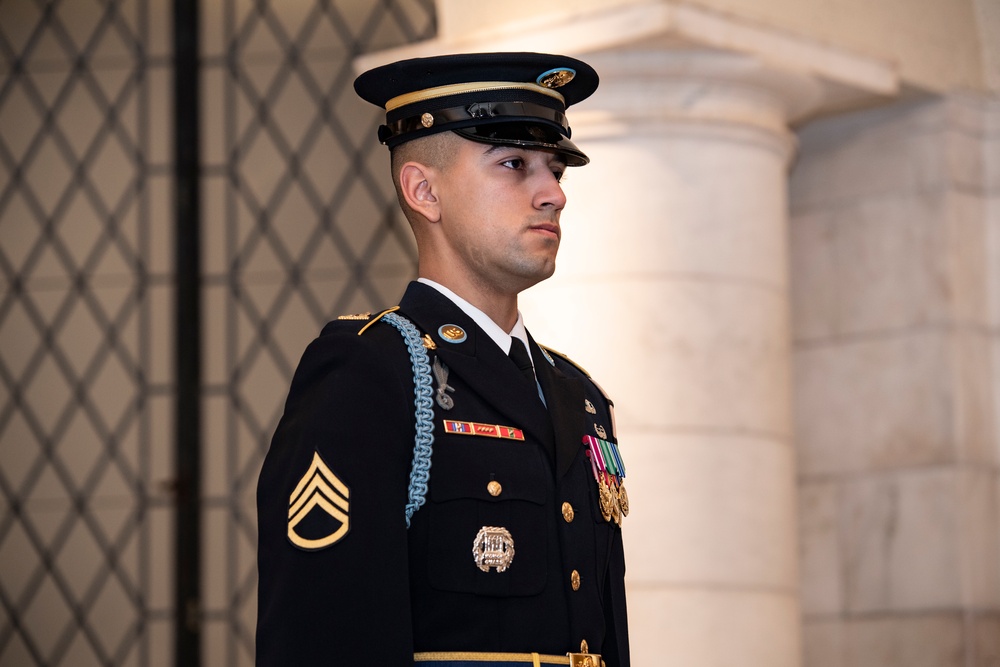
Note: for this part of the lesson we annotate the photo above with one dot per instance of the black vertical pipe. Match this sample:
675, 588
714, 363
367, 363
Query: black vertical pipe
187, 286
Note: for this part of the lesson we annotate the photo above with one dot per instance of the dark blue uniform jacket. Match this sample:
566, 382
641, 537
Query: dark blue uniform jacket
381, 591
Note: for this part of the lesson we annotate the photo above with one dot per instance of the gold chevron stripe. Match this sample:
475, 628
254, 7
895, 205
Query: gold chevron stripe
318, 466
319, 487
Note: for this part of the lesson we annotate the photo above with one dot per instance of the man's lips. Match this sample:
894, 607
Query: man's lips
549, 227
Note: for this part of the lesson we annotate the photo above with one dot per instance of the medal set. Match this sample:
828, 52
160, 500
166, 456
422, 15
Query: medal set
609, 472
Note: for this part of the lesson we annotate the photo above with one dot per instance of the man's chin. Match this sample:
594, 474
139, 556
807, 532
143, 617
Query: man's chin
535, 277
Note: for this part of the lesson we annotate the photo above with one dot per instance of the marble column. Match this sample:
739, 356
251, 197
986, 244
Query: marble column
672, 288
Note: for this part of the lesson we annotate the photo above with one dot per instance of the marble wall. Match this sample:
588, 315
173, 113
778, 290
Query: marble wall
895, 247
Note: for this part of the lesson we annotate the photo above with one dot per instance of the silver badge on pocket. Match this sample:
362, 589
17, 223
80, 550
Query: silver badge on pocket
493, 548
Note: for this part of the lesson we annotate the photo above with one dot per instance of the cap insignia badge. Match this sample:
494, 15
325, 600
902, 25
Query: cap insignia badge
321, 491
452, 333
493, 548
556, 78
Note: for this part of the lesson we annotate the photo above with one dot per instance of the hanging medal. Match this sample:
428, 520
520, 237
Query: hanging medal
609, 473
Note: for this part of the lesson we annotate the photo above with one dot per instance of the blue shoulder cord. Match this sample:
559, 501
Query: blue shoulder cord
420, 471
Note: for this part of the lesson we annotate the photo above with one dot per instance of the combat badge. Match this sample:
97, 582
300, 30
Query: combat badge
321, 496
493, 548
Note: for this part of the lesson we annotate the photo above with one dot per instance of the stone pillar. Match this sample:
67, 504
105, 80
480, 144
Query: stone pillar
672, 288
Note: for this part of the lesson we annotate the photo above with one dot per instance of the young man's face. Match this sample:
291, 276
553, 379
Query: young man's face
500, 210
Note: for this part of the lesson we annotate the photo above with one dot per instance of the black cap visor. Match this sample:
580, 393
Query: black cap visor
532, 136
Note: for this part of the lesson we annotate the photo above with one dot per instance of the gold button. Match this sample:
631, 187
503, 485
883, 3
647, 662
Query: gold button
494, 488
574, 580
568, 514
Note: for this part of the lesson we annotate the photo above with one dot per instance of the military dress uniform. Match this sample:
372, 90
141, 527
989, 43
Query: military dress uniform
420, 501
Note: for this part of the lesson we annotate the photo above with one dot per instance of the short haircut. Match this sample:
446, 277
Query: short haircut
435, 151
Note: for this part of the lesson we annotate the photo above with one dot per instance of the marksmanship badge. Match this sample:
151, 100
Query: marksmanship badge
493, 548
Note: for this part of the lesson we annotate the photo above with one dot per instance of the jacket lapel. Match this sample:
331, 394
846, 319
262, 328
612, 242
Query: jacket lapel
565, 398
478, 361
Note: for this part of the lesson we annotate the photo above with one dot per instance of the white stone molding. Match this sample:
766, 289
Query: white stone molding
844, 79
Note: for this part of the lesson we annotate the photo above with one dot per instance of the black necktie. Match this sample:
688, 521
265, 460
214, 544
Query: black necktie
519, 355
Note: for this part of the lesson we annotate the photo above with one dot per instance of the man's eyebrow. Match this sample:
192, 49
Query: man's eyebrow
556, 157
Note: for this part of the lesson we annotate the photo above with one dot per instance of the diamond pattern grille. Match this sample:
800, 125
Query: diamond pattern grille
301, 225
77, 387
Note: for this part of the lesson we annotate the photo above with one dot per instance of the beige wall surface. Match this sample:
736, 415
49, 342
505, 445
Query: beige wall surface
936, 44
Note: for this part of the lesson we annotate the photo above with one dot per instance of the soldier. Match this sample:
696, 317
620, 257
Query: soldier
442, 490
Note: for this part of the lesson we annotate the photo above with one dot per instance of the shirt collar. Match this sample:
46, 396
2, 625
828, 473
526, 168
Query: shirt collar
492, 329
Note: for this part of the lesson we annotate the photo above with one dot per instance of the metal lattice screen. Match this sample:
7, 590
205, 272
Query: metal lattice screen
300, 225
84, 389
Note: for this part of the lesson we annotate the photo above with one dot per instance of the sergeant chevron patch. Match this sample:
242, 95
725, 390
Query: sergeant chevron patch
318, 509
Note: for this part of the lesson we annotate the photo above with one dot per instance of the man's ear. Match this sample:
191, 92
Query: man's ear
416, 181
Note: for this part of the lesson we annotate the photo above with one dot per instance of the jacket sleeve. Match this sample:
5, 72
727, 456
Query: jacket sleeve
337, 590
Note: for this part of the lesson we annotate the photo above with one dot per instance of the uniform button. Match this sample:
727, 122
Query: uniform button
494, 488
567, 511
574, 580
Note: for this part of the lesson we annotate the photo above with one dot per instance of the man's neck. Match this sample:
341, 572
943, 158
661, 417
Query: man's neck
499, 307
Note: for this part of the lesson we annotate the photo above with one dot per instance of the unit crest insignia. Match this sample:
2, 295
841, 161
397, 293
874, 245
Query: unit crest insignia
322, 502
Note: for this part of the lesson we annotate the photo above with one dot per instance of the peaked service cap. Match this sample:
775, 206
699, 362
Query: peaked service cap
512, 99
